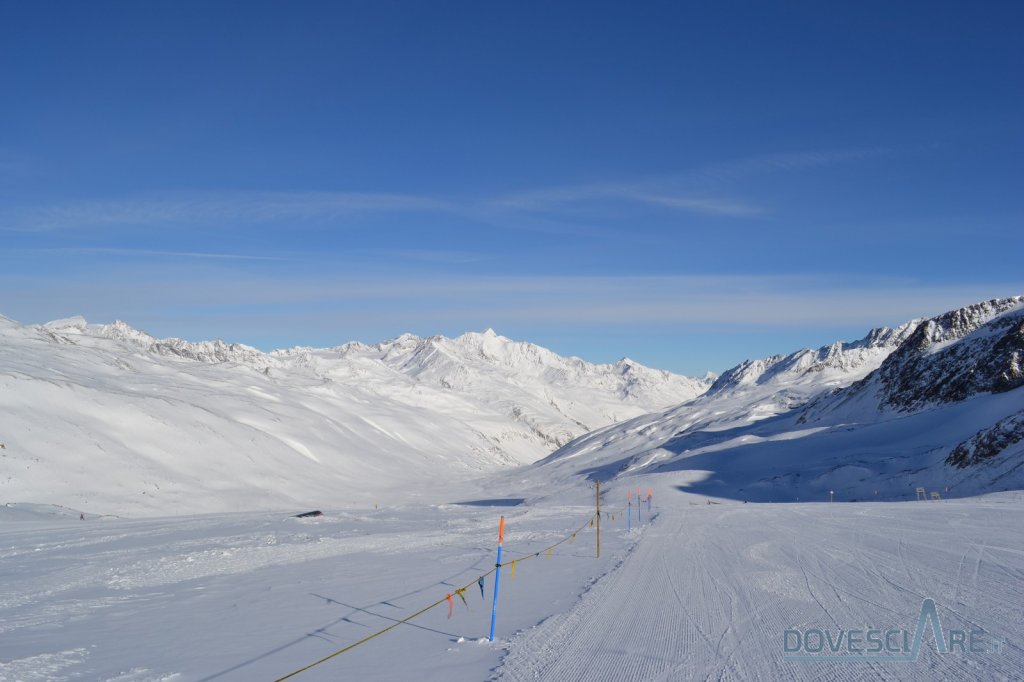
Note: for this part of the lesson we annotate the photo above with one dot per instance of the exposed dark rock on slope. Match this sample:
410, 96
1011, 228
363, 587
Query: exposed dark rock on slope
977, 349
988, 443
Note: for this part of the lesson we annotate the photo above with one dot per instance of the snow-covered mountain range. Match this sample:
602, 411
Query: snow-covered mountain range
111, 419
168, 426
937, 404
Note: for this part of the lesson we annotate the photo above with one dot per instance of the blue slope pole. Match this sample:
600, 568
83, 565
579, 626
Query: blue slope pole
497, 576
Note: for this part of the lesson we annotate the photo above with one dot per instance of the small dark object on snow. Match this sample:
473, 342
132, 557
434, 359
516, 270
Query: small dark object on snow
306, 515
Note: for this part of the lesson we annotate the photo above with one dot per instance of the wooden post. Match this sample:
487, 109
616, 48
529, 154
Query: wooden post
598, 519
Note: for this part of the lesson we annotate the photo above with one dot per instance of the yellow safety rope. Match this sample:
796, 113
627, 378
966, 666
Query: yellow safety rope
460, 591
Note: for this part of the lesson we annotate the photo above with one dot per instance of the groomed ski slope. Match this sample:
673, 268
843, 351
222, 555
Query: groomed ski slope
710, 589
705, 591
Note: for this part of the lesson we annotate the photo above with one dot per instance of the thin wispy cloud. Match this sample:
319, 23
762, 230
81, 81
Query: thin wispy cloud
650, 193
687, 192
208, 209
783, 162
232, 209
157, 253
777, 301
436, 256
669, 317
699, 205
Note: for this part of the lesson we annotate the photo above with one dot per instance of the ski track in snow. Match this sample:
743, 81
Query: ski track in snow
708, 591
702, 592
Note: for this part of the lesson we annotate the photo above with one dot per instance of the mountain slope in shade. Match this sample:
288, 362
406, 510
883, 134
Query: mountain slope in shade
940, 411
110, 419
989, 442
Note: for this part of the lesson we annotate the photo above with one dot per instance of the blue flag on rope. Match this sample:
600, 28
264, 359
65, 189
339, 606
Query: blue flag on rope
480, 582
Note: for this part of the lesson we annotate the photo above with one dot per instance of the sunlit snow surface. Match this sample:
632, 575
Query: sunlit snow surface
703, 591
741, 546
110, 420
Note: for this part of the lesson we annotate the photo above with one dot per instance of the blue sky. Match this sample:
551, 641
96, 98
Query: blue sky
688, 184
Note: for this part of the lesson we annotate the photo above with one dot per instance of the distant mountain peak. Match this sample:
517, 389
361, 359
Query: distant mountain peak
851, 359
76, 322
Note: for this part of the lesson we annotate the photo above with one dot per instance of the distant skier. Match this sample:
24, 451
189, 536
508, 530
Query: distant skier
81, 516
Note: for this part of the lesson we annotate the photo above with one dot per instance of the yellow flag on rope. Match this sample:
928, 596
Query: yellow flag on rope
550, 550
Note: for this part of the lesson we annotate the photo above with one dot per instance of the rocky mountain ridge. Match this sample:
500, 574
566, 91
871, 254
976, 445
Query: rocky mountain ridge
933, 403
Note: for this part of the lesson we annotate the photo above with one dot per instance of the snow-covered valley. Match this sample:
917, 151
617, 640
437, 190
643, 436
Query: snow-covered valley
109, 420
784, 505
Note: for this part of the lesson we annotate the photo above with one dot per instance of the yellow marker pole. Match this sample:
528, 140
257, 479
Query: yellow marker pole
598, 519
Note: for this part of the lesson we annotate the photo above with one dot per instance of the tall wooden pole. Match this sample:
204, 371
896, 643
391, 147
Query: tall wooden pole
598, 519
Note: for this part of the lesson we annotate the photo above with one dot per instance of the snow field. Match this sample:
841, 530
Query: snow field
256, 596
707, 589
701, 591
